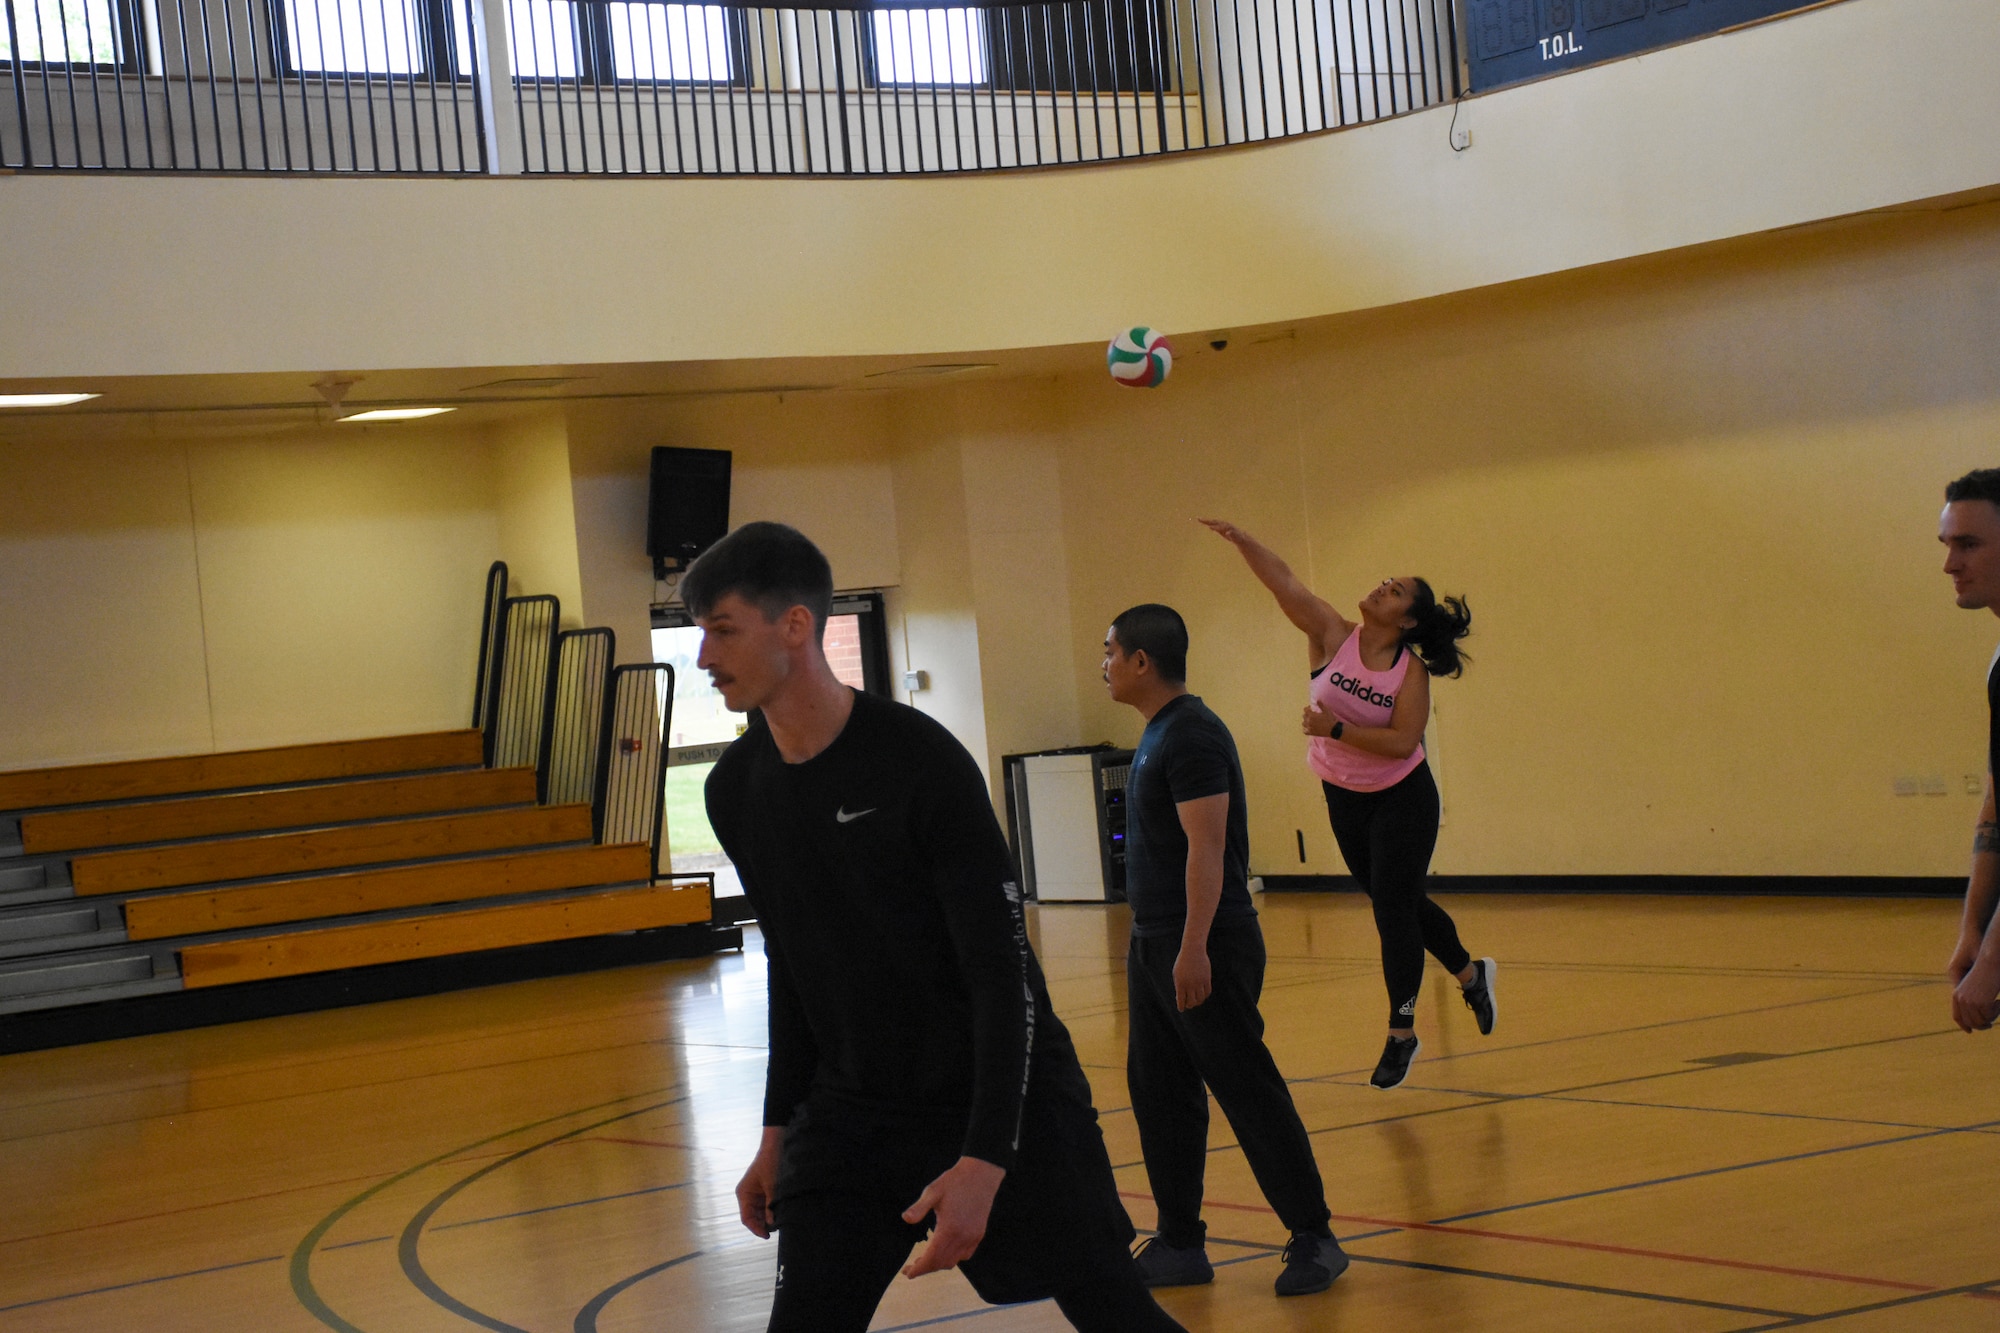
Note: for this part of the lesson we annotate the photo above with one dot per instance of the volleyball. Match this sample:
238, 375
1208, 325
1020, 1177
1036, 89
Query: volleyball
1140, 358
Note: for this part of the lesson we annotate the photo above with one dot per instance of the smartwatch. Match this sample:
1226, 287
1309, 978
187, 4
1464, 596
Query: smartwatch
1338, 727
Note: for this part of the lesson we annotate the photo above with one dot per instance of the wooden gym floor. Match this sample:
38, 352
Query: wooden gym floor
1694, 1114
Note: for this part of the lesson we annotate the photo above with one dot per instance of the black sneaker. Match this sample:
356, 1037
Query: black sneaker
1164, 1265
1394, 1066
1311, 1264
1479, 995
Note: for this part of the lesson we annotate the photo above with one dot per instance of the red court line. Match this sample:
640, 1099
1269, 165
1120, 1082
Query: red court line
1588, 1245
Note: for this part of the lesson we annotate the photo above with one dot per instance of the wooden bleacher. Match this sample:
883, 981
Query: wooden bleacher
141, 882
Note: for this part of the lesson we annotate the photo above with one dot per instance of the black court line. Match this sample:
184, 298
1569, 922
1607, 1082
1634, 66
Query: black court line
141, 1282
586, 1318
1969, 1289
1658, 1298
185, 1113
1732, 1110
300, 1270
1713, 1171
406, 1246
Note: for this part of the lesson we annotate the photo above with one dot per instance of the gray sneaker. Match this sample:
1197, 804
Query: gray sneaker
1164, 1265
1479, 995
1311, 1264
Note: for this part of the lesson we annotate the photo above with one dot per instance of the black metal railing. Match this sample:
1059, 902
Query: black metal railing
635, 750
241, 85
623, 87
486, 683
722, 90
526, 669
574, 728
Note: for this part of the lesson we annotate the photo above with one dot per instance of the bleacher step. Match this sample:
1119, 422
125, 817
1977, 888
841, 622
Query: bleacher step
180, 775
569, 916
291, 808
360, 892
276, 854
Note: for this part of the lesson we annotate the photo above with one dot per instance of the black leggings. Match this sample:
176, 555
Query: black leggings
838, 1253
1387, 838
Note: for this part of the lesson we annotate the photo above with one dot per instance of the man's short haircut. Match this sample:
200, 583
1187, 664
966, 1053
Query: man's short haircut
770, 566
1158, 632
1982, 483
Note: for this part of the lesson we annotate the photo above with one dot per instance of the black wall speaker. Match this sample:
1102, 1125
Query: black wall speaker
688, 508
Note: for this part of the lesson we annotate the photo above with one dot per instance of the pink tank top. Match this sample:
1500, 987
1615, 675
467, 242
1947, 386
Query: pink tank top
1359, 697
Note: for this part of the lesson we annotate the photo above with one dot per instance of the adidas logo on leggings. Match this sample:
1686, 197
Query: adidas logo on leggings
1361, 692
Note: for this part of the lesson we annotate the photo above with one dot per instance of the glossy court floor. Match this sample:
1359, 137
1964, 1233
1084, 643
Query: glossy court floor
1694, 1114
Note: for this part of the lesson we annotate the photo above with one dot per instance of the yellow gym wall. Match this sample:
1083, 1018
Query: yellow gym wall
290, 582
1692, 501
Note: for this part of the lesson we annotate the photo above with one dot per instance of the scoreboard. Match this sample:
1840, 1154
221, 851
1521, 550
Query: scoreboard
1511, 40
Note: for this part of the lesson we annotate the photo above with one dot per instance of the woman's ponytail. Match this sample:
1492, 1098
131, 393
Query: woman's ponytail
1439, 627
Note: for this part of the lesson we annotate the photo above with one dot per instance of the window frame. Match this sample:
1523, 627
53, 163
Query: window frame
597, 54
437, 46
130, 59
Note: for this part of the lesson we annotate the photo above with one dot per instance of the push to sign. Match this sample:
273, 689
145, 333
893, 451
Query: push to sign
1562, 44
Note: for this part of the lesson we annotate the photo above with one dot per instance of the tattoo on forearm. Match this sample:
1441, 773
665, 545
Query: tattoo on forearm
1986, 838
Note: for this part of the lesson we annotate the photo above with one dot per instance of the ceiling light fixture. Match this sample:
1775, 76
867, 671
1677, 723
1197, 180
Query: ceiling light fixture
45, 399
397, 413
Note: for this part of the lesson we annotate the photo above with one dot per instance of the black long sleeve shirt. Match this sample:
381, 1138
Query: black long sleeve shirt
900, 973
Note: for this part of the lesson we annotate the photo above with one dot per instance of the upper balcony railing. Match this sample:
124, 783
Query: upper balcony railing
626, 87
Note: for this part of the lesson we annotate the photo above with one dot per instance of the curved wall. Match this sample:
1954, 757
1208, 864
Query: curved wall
1860, 105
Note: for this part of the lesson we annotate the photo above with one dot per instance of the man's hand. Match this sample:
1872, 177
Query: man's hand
1977, 997
1192, 982
961, 1198
1962, 958
753, 1192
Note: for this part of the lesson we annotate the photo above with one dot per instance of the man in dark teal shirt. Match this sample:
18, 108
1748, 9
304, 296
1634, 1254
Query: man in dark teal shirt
1195, 969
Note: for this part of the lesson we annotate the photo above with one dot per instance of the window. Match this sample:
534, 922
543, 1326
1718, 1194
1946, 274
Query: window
928, 47
393, 38
93, 33
625, 42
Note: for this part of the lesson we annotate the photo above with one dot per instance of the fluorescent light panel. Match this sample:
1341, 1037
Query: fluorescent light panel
397, 413
44, 399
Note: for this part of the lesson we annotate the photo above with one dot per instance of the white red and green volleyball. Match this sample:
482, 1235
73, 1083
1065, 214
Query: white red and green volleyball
1140, 358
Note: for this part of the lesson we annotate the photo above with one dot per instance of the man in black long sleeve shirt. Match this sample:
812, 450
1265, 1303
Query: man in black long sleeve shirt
917, 1070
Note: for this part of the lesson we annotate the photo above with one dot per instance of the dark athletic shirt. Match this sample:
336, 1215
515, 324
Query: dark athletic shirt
1185, 754
904, 996
1993, 715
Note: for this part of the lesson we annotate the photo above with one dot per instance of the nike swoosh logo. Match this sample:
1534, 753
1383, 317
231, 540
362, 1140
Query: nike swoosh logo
846, 818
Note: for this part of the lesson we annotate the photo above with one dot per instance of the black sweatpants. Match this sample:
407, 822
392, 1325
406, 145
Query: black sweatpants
838, 1252
1387, 838
1175, 1059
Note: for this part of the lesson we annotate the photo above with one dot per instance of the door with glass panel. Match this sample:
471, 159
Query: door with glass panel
857, 648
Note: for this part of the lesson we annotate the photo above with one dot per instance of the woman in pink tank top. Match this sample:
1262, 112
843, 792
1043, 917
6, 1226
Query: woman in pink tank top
1369, 699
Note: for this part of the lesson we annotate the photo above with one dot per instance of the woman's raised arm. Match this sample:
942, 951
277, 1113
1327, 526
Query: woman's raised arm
1314, 615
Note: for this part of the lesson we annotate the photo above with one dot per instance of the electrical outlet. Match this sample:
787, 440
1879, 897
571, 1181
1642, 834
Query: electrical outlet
1906, 786
1934, 785
1974, 785
1461, 138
